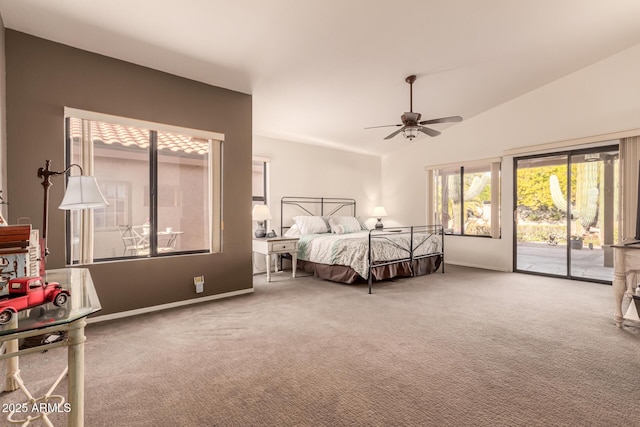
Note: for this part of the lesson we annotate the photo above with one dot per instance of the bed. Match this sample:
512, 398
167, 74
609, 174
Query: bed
334, 244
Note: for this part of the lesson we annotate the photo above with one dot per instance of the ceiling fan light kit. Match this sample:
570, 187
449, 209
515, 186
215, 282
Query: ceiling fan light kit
411, 124
410, 132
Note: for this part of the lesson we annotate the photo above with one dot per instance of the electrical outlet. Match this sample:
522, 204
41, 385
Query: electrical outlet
198, 281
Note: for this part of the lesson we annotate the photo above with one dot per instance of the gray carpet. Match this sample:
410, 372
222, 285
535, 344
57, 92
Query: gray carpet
467, 348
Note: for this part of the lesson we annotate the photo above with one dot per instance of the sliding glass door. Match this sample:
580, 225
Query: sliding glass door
566, 213
541, 226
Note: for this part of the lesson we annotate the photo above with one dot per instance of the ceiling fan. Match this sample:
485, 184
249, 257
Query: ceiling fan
411, 124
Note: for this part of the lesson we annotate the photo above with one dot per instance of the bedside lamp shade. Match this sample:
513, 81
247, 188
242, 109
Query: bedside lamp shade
261, 214
379, 212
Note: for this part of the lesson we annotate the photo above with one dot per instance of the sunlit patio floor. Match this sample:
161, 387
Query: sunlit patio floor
543, 258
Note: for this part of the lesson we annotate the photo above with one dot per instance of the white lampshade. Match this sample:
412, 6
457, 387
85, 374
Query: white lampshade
82, 193
379, 212
261, 213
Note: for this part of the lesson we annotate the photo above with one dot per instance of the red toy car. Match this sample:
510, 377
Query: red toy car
28, 292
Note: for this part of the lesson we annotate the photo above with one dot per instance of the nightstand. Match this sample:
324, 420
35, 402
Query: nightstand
277, 245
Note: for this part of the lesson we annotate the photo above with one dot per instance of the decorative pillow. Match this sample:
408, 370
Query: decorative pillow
337, 229
293, 231
363, 226
344, 224
311, 224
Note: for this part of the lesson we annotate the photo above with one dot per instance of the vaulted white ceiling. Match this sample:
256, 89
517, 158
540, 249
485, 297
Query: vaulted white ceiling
321, 71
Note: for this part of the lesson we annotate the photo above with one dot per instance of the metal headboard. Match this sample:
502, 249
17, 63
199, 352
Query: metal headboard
321, 206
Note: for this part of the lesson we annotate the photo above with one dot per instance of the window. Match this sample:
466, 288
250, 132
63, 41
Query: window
465, 198
259, 181
259, 184
162, 183
118, 195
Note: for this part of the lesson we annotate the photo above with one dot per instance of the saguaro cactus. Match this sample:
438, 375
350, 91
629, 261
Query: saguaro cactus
586, 206
476, 187
587, 193
453, 186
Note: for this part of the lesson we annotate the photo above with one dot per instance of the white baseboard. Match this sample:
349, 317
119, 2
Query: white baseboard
151, 309
483, 267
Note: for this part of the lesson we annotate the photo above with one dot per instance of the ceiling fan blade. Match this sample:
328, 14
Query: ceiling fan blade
442, 120
395, 133
430, 132
385, 126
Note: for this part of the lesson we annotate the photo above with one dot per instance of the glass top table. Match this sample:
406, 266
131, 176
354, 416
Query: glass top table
67, 321
83, 301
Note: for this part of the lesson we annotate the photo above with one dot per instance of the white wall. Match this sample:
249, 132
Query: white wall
600, 99
297, 169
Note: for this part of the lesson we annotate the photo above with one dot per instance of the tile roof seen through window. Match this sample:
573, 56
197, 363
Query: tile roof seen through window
128, 136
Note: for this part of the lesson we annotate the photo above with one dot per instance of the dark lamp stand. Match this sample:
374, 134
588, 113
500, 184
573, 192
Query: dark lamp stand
82, 192
46, 174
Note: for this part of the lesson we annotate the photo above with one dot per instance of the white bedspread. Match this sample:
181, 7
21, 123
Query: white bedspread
352, 249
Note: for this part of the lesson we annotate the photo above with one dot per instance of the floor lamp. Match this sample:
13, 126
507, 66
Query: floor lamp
82, 193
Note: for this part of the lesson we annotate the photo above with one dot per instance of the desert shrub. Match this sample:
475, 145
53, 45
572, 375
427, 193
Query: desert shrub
541, 232
475, 228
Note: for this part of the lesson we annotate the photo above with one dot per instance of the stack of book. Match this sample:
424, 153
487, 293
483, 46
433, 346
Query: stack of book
19, 253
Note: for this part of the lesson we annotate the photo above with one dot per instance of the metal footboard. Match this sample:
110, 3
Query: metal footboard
409, 250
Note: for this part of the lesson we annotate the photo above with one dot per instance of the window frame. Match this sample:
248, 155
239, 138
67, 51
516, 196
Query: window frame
214, 190
265, 163
264, 200
493, 165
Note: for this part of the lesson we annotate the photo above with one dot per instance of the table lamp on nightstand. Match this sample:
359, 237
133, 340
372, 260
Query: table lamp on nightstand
261, 214
379, 212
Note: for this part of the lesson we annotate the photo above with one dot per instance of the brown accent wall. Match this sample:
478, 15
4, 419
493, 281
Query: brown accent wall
43, 77
3, 129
